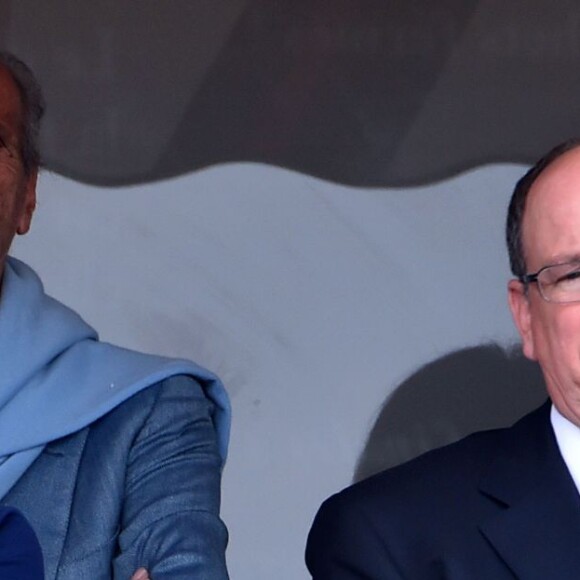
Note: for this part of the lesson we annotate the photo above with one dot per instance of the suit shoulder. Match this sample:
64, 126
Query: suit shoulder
462, 460
414, 516
141, 404
443, 473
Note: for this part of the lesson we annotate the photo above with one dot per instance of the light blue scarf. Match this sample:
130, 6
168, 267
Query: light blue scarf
56, 377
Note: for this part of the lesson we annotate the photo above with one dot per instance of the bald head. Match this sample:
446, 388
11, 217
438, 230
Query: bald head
549, 231
518, 205
545, 306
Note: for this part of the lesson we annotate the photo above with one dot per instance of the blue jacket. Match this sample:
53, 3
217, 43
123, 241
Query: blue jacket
138, 487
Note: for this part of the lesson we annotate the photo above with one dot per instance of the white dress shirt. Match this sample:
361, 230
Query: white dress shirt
568, 439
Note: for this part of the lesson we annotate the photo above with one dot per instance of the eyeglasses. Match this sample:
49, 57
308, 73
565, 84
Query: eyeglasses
557, 283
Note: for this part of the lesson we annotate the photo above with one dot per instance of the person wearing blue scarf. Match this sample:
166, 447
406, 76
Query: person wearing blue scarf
113, 456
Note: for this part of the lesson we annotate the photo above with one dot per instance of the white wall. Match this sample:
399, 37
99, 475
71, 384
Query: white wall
311, 300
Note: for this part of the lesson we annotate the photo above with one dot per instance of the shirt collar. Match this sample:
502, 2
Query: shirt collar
568, 439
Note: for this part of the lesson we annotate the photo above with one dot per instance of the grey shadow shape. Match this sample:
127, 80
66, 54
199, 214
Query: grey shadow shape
469, 390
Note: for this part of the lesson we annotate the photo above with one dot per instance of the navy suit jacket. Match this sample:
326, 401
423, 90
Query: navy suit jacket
20, 555
497, 505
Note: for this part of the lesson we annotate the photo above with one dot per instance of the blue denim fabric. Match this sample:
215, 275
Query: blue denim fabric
139, 487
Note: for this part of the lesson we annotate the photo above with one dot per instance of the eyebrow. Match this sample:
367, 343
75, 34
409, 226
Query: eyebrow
563, 259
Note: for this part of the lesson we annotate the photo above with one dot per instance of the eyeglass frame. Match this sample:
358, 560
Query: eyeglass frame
532, 278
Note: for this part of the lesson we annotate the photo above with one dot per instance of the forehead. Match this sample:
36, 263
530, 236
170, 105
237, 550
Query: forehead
551, 223
10, 102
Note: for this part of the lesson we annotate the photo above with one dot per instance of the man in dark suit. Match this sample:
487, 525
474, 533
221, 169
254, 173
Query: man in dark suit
499, 504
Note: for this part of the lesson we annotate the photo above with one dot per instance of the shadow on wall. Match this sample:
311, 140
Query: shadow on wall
468, 390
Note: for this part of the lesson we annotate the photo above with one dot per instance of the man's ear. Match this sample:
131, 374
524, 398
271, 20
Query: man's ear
29, 203
520, 307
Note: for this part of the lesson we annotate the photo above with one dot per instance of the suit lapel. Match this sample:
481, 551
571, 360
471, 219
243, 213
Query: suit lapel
45, 493
538, 530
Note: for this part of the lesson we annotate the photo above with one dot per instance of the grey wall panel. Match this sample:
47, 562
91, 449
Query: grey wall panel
314, 302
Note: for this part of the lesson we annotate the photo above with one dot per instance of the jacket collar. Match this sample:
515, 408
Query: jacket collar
45, 495
537, 532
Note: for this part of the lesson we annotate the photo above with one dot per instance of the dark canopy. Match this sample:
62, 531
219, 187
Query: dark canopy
363, 92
